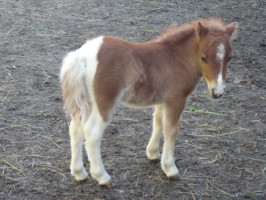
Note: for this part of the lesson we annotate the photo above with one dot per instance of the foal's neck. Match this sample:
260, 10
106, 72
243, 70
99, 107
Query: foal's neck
183, 43
186, 50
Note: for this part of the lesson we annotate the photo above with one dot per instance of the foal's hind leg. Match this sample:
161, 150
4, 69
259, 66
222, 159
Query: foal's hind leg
93, 130
77, 138
171, 115
152, 150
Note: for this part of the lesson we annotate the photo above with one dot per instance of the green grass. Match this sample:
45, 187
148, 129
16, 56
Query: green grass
120, 191
145, 30
198, 110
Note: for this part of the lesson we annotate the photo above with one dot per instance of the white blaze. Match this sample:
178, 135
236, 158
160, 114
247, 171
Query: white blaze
220, 58
220, 79
220, 53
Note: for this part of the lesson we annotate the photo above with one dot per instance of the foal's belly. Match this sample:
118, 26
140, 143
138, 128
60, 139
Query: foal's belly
141, 98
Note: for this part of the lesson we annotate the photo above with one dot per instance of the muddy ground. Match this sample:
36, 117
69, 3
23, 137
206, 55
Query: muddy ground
220, 155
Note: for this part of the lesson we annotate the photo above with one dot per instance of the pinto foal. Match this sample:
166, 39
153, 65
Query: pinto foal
160, 73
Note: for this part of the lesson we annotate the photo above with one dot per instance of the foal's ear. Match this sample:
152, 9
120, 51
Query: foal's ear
232, 30
201, 30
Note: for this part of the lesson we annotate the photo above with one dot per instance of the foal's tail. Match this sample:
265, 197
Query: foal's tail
73, 82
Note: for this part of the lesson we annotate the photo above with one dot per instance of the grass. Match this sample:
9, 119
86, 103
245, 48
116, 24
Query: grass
126, 119
217, 136
144, 30
119, 191
231, 96
198, 110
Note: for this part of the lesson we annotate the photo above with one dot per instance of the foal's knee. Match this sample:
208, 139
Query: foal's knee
170, 131
93, 134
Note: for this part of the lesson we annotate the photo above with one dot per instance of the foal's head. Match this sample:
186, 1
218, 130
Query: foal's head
214, 53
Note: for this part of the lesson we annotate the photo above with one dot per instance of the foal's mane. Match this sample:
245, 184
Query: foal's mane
178, 34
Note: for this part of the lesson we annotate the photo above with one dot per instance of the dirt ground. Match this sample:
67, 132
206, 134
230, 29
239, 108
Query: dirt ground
221, 150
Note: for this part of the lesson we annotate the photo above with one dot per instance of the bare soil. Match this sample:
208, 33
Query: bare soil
220, 155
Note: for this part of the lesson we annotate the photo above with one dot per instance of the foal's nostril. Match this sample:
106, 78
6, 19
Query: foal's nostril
214, 95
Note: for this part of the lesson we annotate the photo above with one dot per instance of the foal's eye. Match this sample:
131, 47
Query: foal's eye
204, 59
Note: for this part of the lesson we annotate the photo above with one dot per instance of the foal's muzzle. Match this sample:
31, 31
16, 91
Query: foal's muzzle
218, 92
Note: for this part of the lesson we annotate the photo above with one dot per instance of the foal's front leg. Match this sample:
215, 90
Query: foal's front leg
77, 138
171, 115
152, 150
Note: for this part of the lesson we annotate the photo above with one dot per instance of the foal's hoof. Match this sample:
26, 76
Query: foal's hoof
81, 176
174, 177
109, 184
82, 179
153, 155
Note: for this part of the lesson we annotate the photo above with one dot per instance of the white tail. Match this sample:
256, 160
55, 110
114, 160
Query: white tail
73, 82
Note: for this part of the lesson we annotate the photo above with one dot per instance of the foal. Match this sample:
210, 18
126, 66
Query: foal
160, 73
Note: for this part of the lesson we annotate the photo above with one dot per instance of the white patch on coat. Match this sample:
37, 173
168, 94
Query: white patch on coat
95, 125
220, 54
78, 70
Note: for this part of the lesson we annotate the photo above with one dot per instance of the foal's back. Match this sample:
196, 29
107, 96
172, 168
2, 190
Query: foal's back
139, 74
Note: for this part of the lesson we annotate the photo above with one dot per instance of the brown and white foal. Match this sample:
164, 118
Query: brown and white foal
160, 73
